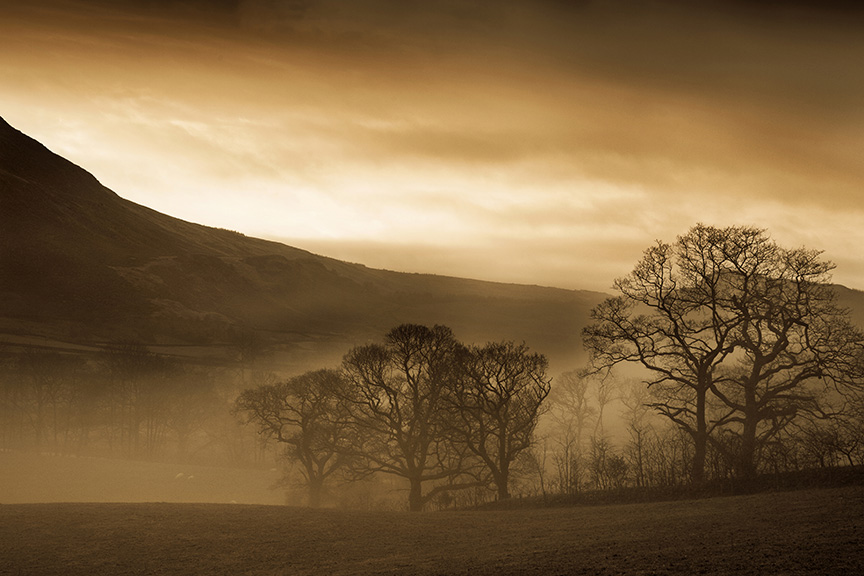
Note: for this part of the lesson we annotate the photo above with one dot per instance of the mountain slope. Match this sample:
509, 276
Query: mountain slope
79, 263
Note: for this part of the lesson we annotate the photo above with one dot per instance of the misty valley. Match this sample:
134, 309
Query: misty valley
179, 398
417, 421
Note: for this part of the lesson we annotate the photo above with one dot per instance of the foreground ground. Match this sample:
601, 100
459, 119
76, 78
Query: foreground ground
790, 533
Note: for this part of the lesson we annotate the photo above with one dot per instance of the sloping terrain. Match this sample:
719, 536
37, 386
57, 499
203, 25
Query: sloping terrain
81, 265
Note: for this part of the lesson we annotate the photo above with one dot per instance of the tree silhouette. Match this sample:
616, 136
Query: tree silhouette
670, 319
497, 405
396, 404
726, 318
792, 342
305, 414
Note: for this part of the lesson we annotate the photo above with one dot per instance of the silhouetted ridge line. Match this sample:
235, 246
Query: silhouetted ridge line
25, 158
79, 262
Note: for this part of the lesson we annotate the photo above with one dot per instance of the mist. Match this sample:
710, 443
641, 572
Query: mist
377, 287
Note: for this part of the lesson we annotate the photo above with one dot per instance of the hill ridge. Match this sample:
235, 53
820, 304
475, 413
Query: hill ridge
81, 263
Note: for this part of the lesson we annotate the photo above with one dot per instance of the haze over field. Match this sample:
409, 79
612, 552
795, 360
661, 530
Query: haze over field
357, 257
543, 143
127, 333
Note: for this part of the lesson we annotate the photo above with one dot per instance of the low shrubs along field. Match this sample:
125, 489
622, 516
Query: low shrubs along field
829, 477
814, 531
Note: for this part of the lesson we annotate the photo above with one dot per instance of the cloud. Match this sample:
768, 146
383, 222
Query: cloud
546, 129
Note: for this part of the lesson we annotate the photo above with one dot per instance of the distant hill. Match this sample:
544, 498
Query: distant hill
81, 266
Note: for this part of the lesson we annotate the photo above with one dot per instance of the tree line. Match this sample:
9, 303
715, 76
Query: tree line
124, 401
725, 352
738, 339
722, 355
421, 406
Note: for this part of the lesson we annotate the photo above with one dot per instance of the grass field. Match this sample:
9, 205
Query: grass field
818, 531
28, 477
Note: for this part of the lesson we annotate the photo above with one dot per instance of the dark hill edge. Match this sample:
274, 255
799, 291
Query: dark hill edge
81, 264
852, 300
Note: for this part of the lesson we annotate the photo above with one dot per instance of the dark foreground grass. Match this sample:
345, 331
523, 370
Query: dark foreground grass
819, 531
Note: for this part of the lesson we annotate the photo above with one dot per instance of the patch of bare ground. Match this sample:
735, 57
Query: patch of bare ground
818, 531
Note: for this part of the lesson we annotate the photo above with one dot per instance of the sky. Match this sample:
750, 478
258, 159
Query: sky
545, 142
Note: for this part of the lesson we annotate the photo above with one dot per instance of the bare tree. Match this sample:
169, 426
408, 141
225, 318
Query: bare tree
497, 405
670, 319
793, 341
571, 412
729, 315
608, 468
10, 398
637, 401
850, 433
305, 414
396, 404
194, 401
51, 382
140, 392
604, 393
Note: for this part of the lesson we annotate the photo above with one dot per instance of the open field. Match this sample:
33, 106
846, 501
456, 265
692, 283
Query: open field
804, 532
28, 477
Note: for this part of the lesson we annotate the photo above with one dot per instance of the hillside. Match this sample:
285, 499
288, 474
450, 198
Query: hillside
82, 266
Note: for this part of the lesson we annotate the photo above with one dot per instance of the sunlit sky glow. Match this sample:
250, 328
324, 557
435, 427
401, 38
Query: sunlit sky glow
536, 142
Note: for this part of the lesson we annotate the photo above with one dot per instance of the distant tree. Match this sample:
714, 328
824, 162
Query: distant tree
305, 414
50, 387
850, 432
11, 427
227, 437
607, 468
538, 458
726, 318
604, 393
250, 348
497, 404
637, 400
140, 392
397, 406
571, 412
194, 402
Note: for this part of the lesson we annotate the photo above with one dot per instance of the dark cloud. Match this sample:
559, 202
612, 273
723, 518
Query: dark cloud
835, 7
167, 6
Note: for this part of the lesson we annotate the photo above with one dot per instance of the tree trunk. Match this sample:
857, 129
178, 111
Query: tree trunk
316, 489
502, 477
700, 449
747, 454
700, 441
502, 483
415, 495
